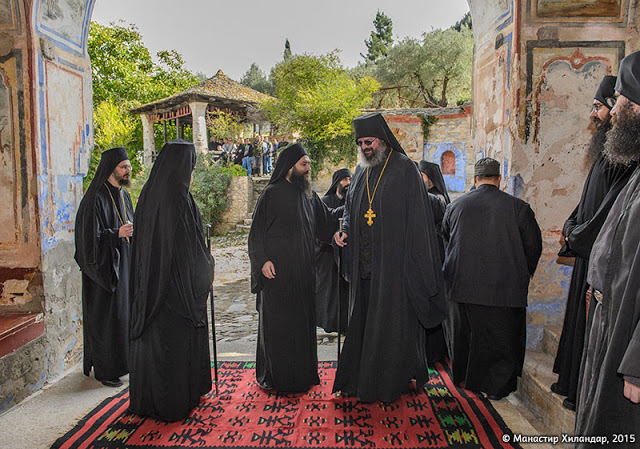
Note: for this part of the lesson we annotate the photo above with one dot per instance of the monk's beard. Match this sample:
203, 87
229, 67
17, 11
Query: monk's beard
623, 141
342, 190
596, 145
375, 159
302, 182
124, 181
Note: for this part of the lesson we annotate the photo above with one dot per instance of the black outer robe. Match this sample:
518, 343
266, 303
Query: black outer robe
284, 229
172, 272
601, 188
330, 289
384, 346
103, 258
493, 247
612, 348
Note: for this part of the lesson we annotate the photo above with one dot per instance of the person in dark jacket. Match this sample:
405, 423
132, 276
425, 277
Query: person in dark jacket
493, 247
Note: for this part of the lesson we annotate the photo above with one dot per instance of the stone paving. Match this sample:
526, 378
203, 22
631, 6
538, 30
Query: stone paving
236, 314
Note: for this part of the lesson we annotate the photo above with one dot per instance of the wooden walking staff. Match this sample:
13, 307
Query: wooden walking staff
213, 319
340, 220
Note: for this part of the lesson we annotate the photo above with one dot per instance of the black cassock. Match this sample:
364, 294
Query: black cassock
601, 188
285, 226
612, 343
436, 343
395, 283
493, 247
330, 289
172, 275
103, 258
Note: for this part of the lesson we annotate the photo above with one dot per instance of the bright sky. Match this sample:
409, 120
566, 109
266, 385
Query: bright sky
231, 34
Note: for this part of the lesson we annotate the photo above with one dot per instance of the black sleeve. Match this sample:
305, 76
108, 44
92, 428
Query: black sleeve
531, 237
258, 241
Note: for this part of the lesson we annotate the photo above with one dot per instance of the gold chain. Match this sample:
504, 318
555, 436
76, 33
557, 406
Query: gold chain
124, 207
370, 215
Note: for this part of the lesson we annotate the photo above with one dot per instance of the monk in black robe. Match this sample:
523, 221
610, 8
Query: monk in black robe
437, 350
609, 391
603, 184
393, 268
172, 272
103, 235
493, 247
329, 289
287, 220
432, 175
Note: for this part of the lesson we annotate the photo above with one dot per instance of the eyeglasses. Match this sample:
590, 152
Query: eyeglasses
367, 142
611, 102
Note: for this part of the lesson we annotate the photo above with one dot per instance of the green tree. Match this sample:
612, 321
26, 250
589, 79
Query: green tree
381, 38
465, 21
287, 50
318, 96
223, 125
257, 80
126, 75
439, 65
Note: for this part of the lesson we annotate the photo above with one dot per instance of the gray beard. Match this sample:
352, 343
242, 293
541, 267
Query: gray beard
376, 158
623, 140
302, 182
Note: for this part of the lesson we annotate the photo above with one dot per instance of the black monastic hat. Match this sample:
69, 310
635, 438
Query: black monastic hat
628, 83
338, 176
374, 125
287, 159
606, 91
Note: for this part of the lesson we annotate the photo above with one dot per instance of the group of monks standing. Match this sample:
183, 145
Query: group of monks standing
421, 279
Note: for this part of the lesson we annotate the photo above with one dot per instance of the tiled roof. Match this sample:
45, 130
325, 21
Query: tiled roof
217, 89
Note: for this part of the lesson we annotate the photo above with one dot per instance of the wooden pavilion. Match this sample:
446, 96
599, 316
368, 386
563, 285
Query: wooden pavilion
190, 108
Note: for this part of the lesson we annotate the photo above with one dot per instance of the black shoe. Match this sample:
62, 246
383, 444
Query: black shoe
557, 390
112, 383
569, 404
495, 397
266, 386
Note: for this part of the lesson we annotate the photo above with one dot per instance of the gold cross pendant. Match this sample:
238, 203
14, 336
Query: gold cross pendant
370, 216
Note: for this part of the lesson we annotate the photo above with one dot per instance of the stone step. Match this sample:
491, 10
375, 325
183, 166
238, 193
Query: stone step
551, 339
247, 221
243, 228
534, 392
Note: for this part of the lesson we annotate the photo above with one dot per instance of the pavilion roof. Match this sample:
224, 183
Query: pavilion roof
219, 90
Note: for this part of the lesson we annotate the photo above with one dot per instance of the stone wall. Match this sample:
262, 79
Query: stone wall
537, 65
237, 199
46, 139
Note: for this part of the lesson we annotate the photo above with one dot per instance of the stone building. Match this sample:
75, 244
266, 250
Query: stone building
537, 64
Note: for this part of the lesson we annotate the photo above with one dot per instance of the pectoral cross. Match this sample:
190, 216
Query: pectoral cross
370, 216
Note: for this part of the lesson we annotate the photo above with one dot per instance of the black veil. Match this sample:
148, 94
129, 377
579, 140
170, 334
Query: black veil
434, 174
161, 205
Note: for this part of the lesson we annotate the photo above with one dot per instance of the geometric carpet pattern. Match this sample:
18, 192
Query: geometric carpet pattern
246, 416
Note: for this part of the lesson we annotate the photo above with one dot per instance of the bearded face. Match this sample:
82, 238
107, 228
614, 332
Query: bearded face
302, 180
372, 150
623, 140
596, 145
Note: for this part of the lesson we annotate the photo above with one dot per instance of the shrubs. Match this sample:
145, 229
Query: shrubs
208, 187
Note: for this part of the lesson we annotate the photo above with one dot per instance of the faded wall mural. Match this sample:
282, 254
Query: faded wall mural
65, 22
7, 167
583, 9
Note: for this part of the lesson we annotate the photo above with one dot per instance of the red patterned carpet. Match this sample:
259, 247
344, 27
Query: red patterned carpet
245, 416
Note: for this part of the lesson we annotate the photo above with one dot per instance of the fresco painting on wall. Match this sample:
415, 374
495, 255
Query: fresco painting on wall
7, 169
579, 8
7, 19
65, 18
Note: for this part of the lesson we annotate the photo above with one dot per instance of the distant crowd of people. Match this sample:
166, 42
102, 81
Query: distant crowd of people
257, 156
